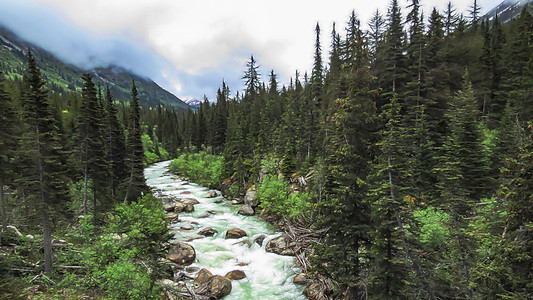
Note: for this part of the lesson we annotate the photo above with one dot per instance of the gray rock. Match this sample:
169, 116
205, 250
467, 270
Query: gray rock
279, 245
189, 201
250, 199
246, 210
211, 194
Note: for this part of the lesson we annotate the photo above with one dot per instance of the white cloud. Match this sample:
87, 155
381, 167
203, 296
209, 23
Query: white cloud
198, 37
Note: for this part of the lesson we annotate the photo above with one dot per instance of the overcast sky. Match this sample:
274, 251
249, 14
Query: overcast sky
188, 47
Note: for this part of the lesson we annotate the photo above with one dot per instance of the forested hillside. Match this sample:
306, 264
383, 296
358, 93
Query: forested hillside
65, 78
409, 151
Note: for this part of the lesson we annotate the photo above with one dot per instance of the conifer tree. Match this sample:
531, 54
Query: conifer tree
8, 145
135, 183
43, 165
115, 144
92, 147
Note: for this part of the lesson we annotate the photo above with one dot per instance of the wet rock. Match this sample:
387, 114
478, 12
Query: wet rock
189, 208
213, 212
179, 207
208, 231
235, 275
259, 240
250, 199
171, 217
192, 238
182, 254
202, 277
211, 194
235, 202
246, 210
220, 287
235, 233
169, 207
185, 193
218, 201
301, 278
205, 215
187, 227
245, 243
279, 245
189, 201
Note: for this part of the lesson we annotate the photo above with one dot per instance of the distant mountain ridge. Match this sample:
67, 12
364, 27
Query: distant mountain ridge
63, 77
508, 10
195, 103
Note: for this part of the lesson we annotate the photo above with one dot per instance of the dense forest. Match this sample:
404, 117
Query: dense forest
410, 150
409, 154
72, 167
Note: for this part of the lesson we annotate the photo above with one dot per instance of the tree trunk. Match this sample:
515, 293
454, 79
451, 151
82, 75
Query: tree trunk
85, 183
3, 205
47, 240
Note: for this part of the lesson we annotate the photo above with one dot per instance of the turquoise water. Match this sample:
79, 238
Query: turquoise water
269, 276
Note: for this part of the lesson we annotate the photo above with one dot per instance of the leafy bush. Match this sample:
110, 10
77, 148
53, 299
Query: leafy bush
206, 169
275, 195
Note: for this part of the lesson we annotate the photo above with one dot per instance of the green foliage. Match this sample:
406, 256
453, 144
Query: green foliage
206, 169
433, 229
275, 195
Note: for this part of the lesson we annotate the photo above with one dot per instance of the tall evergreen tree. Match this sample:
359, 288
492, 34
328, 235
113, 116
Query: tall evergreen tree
8, 145
135, 183
92, 147
115, 144
42, 156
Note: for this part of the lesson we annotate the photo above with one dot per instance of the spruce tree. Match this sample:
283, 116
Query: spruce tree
8, 145
42, 162
92, 147
115, 144
135, 185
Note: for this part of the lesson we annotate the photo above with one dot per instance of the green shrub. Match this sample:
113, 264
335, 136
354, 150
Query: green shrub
203, 168
275, 196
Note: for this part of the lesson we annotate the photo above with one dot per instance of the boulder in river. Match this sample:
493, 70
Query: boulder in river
171, 217
220, 287
189, 208
169, 207
246, 210
208, 231
187, 227
179, 207
279, 245
259, 240
185, 193
182, 254
235, 275
235, 233
189, 201
211, 194
202, 277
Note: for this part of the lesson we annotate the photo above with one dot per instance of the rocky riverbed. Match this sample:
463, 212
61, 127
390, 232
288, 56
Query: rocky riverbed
230, 255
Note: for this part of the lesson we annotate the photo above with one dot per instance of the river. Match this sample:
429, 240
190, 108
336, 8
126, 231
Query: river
269, 276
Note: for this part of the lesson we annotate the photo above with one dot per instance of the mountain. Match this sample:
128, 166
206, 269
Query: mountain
195, 103
63, 77
508, 9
